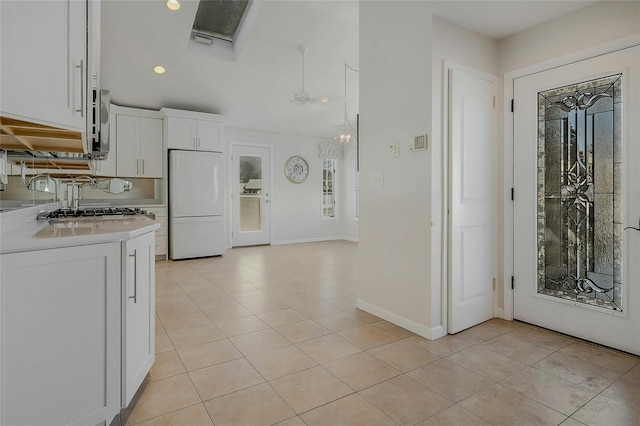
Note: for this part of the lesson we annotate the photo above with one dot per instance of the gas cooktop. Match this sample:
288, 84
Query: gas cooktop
103, 212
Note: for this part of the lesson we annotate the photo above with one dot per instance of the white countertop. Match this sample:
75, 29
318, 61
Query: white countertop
34, 235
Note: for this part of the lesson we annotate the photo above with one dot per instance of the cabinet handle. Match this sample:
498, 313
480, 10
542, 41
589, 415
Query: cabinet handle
81, 66
69, 75
198, 142
143, 166
135, 277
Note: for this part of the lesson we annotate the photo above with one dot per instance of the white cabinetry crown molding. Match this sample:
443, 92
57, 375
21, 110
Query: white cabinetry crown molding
144, 113
170, 112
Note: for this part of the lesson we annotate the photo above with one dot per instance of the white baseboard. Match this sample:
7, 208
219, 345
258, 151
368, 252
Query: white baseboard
499, 313
311, 240
430, 333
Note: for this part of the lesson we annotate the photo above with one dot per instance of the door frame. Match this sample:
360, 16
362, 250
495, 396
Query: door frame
508, 141
445, 247
230, 210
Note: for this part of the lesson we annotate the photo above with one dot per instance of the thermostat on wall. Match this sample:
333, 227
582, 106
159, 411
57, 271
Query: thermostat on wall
419, 143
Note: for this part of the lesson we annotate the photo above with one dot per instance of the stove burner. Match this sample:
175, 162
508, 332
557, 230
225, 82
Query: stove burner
91, 212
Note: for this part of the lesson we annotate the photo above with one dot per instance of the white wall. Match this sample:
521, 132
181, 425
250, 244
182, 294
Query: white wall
454, 45
395, 105
595, 25
345, 175
295, 208
401, 95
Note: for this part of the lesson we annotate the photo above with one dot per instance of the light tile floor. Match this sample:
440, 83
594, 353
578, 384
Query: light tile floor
271, 335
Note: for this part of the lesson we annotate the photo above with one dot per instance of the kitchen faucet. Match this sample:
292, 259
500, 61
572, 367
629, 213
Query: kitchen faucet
73, 187
32, 184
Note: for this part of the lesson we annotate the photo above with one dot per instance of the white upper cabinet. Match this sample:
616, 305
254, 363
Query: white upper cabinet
138, 143
45, 63
181, 133
151, 147
209, 135
193, 131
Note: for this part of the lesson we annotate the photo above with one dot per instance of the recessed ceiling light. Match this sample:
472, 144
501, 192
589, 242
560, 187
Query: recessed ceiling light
159, 69
173, 4
324, 99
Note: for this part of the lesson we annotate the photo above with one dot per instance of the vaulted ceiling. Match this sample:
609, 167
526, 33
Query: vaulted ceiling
255, 91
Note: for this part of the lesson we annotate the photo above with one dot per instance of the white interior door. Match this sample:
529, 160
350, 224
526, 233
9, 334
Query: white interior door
251, 195
577, 180
471, 202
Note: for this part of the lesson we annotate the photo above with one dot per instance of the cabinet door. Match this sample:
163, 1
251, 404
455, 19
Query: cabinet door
138, 343
128, 152
151, 147
181, 133
42, 72
60, 347
209, 136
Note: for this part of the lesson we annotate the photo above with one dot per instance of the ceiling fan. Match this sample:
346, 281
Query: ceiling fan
303, 97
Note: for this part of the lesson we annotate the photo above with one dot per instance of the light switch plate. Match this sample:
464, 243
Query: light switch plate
394, 149
376, 180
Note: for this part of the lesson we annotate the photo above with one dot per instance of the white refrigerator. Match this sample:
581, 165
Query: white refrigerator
196, 204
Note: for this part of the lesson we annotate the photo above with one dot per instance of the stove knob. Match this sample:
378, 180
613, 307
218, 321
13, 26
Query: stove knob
42, 216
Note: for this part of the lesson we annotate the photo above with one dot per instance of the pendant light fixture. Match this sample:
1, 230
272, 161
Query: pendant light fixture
345, 133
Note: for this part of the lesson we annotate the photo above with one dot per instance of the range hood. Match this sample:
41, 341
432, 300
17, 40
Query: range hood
47, 147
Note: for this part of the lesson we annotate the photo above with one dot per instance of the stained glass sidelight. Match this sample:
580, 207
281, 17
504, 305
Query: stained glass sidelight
580, 192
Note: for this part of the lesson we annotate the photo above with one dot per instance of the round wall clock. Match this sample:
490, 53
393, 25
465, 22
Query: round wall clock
296, 169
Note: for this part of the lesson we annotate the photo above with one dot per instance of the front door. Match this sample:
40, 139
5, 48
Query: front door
577, 186
251, 189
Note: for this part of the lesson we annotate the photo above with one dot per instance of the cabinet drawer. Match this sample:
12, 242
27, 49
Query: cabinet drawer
161, 245
163, 221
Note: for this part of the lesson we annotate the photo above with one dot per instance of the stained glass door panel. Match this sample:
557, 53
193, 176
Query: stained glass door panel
580, 192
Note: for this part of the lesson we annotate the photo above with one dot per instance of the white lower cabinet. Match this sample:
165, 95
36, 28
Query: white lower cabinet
60, 345
138, 313
160, 213
77, 331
